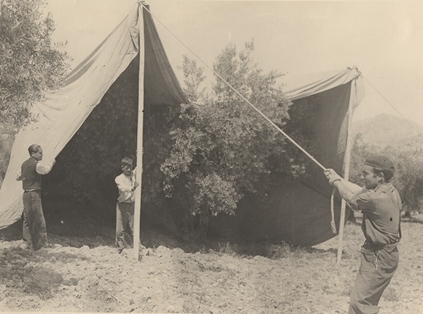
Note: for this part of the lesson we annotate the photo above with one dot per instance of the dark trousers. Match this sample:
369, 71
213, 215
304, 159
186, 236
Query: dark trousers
34, 224
124, 223
375, 273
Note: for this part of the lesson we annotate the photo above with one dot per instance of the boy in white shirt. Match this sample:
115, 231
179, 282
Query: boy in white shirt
126, 184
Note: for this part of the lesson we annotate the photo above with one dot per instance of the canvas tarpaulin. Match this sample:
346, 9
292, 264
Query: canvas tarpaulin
298, 210
65, 110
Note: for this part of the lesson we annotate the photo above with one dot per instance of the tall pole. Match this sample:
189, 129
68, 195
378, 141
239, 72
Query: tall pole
137, 213
347, 158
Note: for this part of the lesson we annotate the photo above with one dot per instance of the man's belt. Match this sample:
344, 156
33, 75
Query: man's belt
27, 191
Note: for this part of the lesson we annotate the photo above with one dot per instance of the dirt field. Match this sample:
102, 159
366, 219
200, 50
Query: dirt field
88, 275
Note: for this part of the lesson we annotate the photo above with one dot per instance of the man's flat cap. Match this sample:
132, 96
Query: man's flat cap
380, 162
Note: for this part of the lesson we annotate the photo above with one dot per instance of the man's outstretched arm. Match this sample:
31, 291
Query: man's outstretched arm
346, 189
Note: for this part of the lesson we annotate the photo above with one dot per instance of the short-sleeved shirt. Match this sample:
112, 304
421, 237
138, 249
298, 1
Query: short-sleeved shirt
125, 186
381, 209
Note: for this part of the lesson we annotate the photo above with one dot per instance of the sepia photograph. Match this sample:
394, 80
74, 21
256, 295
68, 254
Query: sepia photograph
193, 156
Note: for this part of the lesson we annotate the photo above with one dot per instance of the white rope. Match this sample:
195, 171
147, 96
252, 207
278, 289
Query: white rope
332, 201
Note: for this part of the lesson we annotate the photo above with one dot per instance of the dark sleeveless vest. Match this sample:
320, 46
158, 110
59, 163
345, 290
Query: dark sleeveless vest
31, 179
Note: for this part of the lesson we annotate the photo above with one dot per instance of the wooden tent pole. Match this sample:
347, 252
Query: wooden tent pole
347, 159
137, 212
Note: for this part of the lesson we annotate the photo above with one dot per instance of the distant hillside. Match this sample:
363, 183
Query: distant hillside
386, 129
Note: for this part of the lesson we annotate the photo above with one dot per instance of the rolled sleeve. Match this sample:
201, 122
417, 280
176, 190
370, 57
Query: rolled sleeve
44, 166
19, 175
125, 188
364, 200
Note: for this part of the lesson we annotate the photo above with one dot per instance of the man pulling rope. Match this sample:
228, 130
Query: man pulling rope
381, 206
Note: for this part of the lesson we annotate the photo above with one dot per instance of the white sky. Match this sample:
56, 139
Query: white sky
383, 39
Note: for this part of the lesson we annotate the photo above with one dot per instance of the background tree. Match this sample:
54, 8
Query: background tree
30, 62
193, 78
30, 65
408, 158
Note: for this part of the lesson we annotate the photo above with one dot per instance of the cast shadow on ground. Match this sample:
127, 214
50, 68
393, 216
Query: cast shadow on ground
412, 220
22, 273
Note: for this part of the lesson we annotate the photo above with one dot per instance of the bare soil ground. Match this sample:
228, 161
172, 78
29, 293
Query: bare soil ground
86, 274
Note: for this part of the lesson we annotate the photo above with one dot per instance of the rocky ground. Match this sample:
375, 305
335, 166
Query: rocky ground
86, 274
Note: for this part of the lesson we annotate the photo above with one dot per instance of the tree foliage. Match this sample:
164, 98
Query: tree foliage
193, 78
30, 63
223, 148
408, 158
6, 142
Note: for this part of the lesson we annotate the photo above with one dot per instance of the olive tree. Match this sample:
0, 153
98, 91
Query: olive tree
222, 148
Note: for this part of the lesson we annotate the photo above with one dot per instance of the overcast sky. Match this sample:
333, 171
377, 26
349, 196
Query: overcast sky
383, 39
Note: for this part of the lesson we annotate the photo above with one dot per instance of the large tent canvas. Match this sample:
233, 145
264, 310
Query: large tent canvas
65, 110
299, 210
